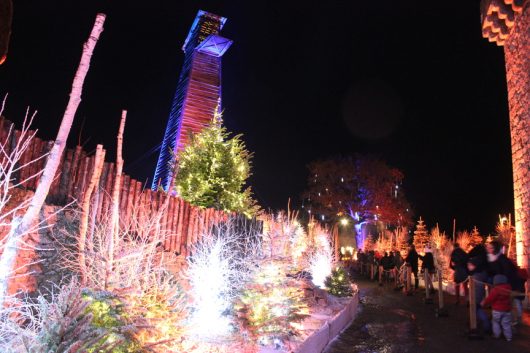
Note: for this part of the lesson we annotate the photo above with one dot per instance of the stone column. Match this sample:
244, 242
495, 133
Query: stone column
507, 23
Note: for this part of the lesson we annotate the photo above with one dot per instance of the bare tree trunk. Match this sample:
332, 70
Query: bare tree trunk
99, 159
115, 207
31, 216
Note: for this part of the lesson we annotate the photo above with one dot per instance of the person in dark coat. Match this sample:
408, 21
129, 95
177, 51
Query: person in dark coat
477, 266
412, 262
387, 264
398, 262
459, 265
427, 266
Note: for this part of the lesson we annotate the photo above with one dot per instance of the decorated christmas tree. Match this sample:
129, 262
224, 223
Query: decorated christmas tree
338, 283
213, 170
421, 236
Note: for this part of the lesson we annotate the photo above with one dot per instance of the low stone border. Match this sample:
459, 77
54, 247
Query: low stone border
318, 341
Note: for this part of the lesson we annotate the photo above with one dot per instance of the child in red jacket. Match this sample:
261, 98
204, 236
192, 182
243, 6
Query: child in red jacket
501, 305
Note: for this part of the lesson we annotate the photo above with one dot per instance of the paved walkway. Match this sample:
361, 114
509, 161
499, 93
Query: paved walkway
390, 322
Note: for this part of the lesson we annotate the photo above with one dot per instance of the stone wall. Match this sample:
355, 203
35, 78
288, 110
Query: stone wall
517, 55
507, 23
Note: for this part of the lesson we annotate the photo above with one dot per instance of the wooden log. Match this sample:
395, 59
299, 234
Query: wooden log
184, 236
85, 208
164, 216
60, 196
130, 198
124, 193
66, 170
100, 191
167, 236
196, 224
137, 198
36, 165
107, 190
74, 169
83, 176
200, 224
178, 224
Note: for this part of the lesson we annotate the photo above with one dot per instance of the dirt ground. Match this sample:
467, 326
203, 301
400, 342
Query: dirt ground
391, 322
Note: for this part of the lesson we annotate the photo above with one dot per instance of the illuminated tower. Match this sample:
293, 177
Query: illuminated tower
198, 91
507, 23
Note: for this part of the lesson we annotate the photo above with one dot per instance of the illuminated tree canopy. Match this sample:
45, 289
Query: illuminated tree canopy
213, 170
364, 188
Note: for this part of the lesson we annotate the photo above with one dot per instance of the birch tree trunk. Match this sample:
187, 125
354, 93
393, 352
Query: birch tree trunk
31, 216
99, 159
115, 206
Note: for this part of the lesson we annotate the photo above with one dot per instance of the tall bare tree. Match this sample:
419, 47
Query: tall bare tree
21, 226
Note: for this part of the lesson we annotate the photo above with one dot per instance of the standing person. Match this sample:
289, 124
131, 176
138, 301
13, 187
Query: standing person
500, 264
370, 260
412, 262
398, 262
388, 264
501, 305
459, 265
427, 266
477, 266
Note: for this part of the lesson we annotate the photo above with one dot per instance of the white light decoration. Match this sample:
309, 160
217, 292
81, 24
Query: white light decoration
321, 263
320, 268
344, 221
210, 273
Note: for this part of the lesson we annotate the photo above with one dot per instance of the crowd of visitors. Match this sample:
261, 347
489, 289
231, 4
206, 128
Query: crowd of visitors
498, 282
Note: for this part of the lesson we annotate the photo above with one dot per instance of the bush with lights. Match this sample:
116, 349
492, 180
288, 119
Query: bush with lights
338, 283
269, 308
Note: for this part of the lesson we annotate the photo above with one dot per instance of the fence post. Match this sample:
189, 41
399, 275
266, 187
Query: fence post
408, 274
380, 275
372, 274
473, 332
442, 311
426, 278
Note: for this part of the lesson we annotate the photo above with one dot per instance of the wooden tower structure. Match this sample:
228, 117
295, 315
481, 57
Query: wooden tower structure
198, 92
507, 23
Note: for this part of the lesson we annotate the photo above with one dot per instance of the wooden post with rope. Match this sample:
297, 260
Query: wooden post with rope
473, 332
442, 310
408, 274
380, 277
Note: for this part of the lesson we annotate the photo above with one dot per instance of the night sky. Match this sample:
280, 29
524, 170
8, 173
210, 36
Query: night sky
413, 82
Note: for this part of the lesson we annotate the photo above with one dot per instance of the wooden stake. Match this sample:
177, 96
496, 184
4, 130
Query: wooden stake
115, 213
85, 208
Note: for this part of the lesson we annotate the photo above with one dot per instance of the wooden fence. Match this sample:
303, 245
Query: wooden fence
182, 223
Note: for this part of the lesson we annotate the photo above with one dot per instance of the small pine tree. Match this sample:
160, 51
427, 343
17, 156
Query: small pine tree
476, 238
213, 170
369, 243
338, 283
421, 236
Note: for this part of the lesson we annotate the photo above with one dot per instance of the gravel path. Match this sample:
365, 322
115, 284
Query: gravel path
390, 322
